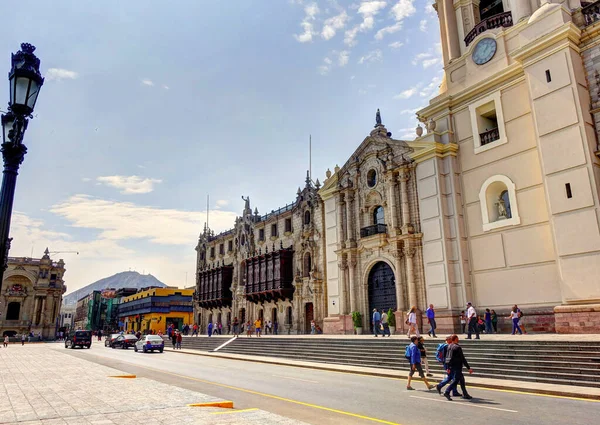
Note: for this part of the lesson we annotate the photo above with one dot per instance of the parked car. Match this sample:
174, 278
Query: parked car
109, 339
149, 343
79, 338
124, 341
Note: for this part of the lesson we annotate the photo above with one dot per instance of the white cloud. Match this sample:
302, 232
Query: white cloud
333, 24
130, 184
310, 13
433, 87
86, 179
58, 74
408, 93
368, 10
423, 25
374, 56
400, 11
147, 82
343, 58
326, 67
222, 202
362, 92
430, 10
403, 9
165, 87
430, 62
420, 57
410, 111
388, 30
396, 44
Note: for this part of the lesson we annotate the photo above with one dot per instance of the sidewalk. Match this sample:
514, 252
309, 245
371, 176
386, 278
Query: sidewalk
39, 385
472, 380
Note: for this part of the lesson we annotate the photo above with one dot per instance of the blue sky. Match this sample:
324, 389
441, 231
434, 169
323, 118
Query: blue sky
149, 106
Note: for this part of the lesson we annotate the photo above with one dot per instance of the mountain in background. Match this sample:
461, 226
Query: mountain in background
117, 281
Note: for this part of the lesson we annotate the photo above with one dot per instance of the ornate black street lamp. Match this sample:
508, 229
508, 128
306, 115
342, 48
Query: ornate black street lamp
25, 82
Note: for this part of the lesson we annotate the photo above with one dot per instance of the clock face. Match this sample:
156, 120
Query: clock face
484, 51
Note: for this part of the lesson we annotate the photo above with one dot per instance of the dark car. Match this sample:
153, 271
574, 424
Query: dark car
124, 341
109, 339
79, 338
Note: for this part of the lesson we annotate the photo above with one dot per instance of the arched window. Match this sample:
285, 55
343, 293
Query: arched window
288, 316
498, 201
13, 311
378, 215
371, 178
307, 265
306, 217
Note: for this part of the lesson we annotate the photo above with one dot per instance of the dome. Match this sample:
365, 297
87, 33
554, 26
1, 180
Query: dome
546, 8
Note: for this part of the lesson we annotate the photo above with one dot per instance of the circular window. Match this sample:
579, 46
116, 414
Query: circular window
372, 178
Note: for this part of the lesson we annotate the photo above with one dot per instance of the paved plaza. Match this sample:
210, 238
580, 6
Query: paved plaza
41, 385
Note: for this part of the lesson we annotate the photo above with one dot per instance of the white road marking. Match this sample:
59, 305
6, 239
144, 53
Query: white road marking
465, 404
295, 379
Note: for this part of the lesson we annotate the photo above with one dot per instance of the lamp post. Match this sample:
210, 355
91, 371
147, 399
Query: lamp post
25, 82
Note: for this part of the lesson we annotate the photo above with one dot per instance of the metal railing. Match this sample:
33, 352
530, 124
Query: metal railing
489, 136
375, 229
496, 21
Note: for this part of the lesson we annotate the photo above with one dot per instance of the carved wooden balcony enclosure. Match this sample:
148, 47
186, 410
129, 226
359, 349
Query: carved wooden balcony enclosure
270, 276
215, 287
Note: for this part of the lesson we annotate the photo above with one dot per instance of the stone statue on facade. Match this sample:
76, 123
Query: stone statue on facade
378, 119
502, 213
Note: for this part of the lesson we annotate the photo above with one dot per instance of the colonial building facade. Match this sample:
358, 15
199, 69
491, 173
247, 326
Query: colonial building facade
31, 296
497, 202
269, 267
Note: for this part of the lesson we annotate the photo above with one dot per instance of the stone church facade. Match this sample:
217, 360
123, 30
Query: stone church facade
31, 296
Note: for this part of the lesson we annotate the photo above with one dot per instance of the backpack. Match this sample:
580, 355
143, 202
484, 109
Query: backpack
440, 352
407, 352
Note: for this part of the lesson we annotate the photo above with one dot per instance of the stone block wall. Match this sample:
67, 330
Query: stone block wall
577, 319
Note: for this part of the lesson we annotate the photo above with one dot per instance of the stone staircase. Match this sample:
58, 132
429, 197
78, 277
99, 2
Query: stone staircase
555, 362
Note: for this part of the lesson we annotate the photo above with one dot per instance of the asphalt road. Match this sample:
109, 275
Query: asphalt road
323, 397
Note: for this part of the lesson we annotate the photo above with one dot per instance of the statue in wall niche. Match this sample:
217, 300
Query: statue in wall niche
502, 213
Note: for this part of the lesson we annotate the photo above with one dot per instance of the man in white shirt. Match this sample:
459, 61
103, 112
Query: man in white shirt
472, 321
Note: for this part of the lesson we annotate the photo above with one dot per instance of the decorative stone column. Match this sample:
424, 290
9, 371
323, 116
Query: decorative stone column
451, 29
398, 255
443, 32
406, 225
409, 252
391, 186
342, 278
349, 219
519, 10
352, 284
340, 222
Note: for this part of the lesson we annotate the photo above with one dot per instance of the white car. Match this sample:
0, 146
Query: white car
149, 343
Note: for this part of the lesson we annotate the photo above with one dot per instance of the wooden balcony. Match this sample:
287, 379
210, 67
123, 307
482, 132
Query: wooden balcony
270, 276
214, 287
497, 21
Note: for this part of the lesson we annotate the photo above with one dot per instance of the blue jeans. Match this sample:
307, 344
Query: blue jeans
488, 327
516, 326
432, 326
376, 329
457, 378
386, 330
446, 381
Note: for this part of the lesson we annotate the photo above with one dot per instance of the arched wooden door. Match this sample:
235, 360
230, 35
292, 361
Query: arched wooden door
382, 288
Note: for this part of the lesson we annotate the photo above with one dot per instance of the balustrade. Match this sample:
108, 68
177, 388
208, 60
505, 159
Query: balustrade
489, 136
496, 21
591, 12
375, 229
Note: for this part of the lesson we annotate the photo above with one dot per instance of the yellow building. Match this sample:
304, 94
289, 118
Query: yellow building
153, 310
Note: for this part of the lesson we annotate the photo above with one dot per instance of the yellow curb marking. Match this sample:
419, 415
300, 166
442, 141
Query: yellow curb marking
123, 376
235, 411
314, 406
224, 404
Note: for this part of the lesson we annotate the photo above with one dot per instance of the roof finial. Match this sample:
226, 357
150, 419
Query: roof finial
378, 119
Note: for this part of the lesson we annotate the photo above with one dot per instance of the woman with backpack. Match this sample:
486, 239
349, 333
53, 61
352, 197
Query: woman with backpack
514, 316
411, 321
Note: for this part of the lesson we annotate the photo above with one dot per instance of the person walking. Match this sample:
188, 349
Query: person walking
431, 319
6, 339
472, 319
195, 329
99, 334
494, 321
236, 327
219, 328
440, 355
455, 360
415, 364
384, 323
488, 321
376, 322
521, 321
423, 350
463, 322
257, 325
248, 329
174, 339
514, 317
210, 329
22, 339
411, 321
179, 339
